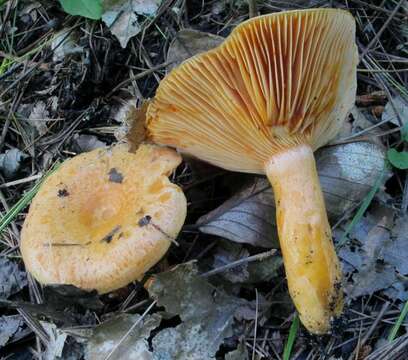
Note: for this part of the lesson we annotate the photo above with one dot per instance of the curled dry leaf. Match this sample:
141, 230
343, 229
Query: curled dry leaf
57, 338
375, 258
347, 172
85, 143
188, 43
64, 43
12, 279
10, 326
121, 16
207, 314
108, 335
10, 162
38, 117
372, 273
399, 105
396, 251
239, 353
228, 252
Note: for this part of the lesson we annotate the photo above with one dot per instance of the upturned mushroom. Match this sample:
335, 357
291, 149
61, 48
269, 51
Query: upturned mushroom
104, 218
279, 87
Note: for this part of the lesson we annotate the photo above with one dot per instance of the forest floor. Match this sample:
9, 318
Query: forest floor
70, 84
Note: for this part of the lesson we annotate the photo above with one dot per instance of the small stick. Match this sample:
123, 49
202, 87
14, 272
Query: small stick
257, 257
253, 11
21, 181
147, 220
130, 330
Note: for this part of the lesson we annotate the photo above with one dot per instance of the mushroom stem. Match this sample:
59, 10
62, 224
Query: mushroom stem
311, 264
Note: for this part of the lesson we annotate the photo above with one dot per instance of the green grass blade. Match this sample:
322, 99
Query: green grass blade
291, 338
399, 322
23, 202
363, 207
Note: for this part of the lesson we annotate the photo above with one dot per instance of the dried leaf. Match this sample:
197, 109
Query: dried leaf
38, 118
229, 254
10, 162
241, 353
59, 297
401, 106
188, 43
121, 16
373, 273
249, 272
56, 342
85, 143
207, 314
396, 250
398, 290
371, 278
135, 346
264, 270
9, 327
12, 279
362, 120
64, 44
347, 172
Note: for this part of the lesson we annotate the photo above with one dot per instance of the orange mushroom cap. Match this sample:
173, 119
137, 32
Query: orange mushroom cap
277, 81
104, 218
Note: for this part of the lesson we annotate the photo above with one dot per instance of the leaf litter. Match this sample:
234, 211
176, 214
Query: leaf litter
376, 256
106, 336
10, 162
123, 17
10, 327
12, 278
72, 87
207, 314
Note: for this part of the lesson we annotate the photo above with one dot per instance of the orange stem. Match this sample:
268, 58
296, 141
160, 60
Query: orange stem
312, 268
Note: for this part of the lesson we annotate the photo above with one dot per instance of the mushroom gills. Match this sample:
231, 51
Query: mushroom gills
312, 267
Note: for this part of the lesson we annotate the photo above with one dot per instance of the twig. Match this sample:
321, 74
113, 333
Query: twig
21, 181
137, 77
375, 323
130, 330
379, 33
253, 11
256, 323
35, 325
257, 257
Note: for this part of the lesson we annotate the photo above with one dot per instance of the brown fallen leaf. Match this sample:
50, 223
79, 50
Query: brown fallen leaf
188, 43
374, 274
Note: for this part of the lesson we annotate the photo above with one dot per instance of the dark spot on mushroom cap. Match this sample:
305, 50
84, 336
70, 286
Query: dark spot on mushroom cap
109, 237
145, 220
115, 176
63, 193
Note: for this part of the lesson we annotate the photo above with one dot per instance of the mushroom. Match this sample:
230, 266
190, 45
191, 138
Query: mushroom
104, 218
279, 87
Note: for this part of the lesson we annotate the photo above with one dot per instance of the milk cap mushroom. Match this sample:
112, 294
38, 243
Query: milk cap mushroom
104, 218
279, 87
